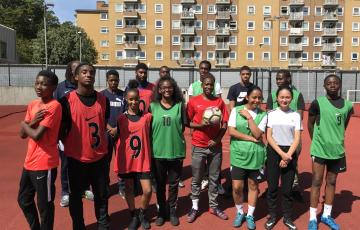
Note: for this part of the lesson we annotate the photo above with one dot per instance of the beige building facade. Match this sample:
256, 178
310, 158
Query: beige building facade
306, 34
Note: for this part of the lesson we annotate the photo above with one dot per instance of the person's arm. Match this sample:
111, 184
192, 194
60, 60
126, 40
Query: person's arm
107, 111
65, 125
348, 117
301, 105
269, 103
255, 131
184, 118
218, 91
314, 111
275, 146
231, 98
220, 135
39, 116
190, 91
33, 133
241, 136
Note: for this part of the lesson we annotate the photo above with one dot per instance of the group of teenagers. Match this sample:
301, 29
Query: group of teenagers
144, 127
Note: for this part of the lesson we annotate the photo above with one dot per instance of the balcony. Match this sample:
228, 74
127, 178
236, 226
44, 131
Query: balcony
187, 46
295, 62
222, 46
330, 47
330, 17
223, 31
222, 2
296, 32
331, 3
187, 62
131, 29
131, 45
223, 15
328, 62
187, 30
296, 16
125, 1
187, 1
187, 15
329, 32
222, 62
295, 47
131, 61
296, 3
131, 14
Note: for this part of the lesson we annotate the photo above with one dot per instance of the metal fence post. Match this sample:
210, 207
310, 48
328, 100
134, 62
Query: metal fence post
316, 77
9, 72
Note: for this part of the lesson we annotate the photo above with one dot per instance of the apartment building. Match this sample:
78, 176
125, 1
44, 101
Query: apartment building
308, 34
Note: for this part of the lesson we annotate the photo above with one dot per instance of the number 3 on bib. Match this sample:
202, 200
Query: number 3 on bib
135, 145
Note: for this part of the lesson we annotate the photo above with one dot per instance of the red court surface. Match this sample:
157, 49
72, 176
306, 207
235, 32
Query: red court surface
346, 208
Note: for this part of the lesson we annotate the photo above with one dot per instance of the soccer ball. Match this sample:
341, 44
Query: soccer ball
212, 115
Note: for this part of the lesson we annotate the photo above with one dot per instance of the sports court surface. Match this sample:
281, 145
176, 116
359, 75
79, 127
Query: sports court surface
346, 208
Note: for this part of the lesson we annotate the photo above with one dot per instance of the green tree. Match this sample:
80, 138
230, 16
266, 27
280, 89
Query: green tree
63, 43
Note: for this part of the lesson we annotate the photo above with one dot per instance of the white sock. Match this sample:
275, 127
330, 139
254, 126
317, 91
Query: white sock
327, 210
251, 210
240, 208
313, 212
195, 204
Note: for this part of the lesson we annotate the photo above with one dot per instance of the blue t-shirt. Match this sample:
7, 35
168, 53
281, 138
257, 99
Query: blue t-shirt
63, 88
117, 104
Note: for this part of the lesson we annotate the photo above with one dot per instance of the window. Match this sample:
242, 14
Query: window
317, 41
284, 10
142, 24
211, 25
305, 26
158, 39
250, 56
176, 40
119, 54
233, 25
176, 8
250, 10
211, 9
159, 55
158, 8
354, 56
267, 10
266, 41
197, 55
250, 25
103, 16
198, 9
355, 26
306, 10
318, 10
211, 40
316, 56
159, 24
105, 56
305, 56
142, 39
104, 30
142, 55
198, 40
266, 56
339, 26
317, 26
175, 55
175, 24
338, 56
232, 55
356, 11
104, 43
119, 7
233, 9
283, 26
340, 11
266, 25
355, 41
119, 23
198, 25
305, 41
142, 8
210, 55
232, 40
119, 38
250, 40
283, 41
283, 56
338, 41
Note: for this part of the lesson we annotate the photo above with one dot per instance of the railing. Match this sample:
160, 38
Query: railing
131, 45
331, 2
222, 1
223, 31
131, 29
295, 47
296, 32
187, 29
187, 46
222, 61
131, 13
223, 15
187, 15
330, 16
329, 31
187, 62
222, 46
296, 2
296, 16
329, 47
295, 61
187, 1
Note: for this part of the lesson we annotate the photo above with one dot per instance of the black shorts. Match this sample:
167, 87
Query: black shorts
242, 174
334, 166
135, 175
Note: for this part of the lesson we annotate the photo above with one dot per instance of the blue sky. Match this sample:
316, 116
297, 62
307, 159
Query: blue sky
65, 9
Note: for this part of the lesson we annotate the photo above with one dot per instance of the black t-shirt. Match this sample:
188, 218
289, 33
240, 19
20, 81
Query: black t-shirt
314, 109
238, 93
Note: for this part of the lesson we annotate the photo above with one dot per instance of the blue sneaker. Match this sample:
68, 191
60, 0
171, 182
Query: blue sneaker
239, 219
250, 222
330, 222
312, 225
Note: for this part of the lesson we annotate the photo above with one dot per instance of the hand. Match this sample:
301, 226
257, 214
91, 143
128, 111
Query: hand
245, 114
253, 139
212, 143
39, 116
285, 157
283, 164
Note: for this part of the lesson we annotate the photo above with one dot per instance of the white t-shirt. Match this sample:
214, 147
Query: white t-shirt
217, 89
284, 125
253, 113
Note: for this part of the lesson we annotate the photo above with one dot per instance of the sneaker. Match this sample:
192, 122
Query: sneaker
289, 223
134, 223
122, 193
329, 221
239, 219
312, 225
297, 196
160, 220
217, 212
221, 190
181, 184
64, 202
174, 219
192, 215
250, 222
270, 223
204, 184
145, 224
89, 195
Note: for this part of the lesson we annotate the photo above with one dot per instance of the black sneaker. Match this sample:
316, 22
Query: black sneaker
270, 223
134, 223
296, 195
174, 219
145, 224
192, 215
288, 222
160, 220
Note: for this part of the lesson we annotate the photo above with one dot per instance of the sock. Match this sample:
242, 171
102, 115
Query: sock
240, 208
313, 212
251, 210
195, 204
327, 210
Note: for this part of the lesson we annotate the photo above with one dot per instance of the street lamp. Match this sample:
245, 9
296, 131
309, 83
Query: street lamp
46, 5
80, 52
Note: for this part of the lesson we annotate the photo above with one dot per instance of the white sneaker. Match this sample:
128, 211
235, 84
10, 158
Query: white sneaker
122, 193
204, 184
181, 184
64, 202
89, 195
221, 190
